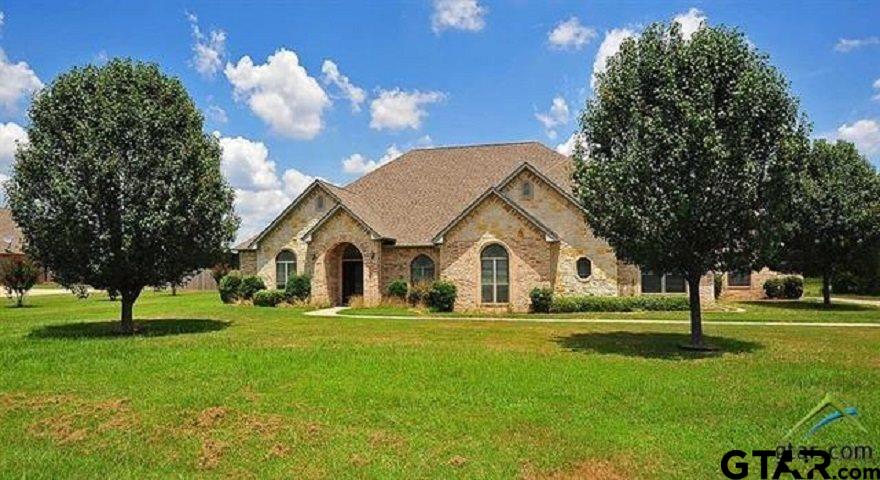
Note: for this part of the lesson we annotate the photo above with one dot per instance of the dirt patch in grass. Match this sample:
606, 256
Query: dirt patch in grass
587, 469
383, 439
211, 453
278, 450
457, 461
60, 429
210, 417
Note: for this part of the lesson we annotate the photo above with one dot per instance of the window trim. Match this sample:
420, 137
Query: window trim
577, 269
287, 269
746, 286
412, 264
495, 259
662, 284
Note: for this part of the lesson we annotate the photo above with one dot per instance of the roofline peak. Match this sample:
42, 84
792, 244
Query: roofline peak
478, 145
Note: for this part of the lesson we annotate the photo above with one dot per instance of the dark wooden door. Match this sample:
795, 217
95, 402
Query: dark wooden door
352, 280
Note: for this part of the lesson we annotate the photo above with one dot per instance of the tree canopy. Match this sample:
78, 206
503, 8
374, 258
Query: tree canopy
836, 213
691, 147
119, 187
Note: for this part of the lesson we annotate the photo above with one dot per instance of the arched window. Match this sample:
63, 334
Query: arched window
285, 267
421, 269
494, 275
584, 267
527, 190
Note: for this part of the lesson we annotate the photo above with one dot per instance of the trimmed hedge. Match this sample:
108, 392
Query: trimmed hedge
790, 287
250, 285
418, 294
298, 288
442, 295
268, 298
542, 299
228, 287
587, 303
397, 289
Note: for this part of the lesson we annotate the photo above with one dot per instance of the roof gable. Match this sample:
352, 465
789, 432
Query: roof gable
549, 234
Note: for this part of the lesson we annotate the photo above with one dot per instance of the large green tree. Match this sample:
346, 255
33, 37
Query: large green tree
836, 213
690, 146
119, 187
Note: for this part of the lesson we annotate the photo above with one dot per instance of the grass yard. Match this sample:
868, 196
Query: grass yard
211, 390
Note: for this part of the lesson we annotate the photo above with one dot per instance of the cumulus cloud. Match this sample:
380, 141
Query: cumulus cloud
208, 50
397, 110
877, 88
260, 194
359, 164
217, 114
556, 116
11, 135
466, 15
570, 34
610, 45
17, 80
845, 45
282, 93
690, 22
865, 134
567, 147
355, 95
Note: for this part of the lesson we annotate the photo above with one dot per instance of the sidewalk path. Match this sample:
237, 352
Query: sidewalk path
334, 313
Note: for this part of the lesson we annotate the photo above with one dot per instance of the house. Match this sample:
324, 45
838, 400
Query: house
12, 242
497, 220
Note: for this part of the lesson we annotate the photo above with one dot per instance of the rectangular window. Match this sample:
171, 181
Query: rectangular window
666, 283
739, 279
651, 282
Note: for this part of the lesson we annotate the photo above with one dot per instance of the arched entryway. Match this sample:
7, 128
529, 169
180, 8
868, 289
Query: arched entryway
352, 273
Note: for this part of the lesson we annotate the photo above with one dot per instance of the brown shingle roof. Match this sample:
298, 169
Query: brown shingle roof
415, 196
11, 239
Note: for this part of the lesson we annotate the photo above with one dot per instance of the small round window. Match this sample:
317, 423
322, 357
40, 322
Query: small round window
584, 267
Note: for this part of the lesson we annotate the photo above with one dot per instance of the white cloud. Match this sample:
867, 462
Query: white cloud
355, 95
610, 45
570, 34
556, 116
865, 134
208, 50
690, 22
876, 87
282, 93
567, 147
459, 15
217, 114
11, 135
357, 163
2, 19
260, 195
397, 110
845, 45
17, 80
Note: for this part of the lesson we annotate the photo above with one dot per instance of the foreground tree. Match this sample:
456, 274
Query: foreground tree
691, 145
119, 187
837, 214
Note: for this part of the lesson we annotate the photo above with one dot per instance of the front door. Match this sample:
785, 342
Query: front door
352, 279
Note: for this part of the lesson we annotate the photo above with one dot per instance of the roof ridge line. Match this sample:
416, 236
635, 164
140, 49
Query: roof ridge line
475, 145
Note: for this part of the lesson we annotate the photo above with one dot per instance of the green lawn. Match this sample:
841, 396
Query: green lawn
813, 288
212, 390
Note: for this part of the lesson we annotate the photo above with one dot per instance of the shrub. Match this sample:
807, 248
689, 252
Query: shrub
718, 282
587, 303
112, 294
18, 275
793, 287
542, 299
249, 286
442, 295
397, 289
268, 298
80, 290
789, 287
228, 287
418, 294
298, 288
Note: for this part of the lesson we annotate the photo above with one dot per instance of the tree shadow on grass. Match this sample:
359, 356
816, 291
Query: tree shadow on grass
144, 328
811, 305
664, 346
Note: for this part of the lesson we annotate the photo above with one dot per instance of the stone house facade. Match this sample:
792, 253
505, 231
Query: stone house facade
496, 220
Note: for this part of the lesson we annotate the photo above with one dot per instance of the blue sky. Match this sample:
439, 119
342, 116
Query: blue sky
406, 74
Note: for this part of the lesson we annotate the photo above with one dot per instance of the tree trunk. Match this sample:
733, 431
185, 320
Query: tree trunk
826, 289
696, 312
126, 320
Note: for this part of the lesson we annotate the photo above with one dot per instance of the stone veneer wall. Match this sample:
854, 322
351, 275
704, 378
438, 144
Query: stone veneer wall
396, 263
286, 235
754, 291
532, 259
324, 254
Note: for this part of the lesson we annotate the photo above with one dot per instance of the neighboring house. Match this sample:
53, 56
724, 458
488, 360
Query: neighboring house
12, 241
496, 220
